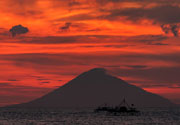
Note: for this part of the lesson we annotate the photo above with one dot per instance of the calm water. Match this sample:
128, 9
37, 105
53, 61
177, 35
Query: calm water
150, 116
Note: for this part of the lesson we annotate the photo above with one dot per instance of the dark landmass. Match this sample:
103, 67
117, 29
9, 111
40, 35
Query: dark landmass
96, 87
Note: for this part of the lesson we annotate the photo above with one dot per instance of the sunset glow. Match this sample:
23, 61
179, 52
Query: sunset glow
66, 38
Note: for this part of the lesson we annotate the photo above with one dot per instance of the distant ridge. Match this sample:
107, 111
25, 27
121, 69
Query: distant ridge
96, 87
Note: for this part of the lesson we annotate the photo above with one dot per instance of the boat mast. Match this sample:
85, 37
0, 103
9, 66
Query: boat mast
124, 103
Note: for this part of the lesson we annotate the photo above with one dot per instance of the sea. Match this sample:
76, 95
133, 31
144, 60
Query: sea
82, 116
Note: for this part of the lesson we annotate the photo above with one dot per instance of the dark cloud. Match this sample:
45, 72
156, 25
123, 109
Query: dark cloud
166, 28
139, 1
42, 79
53, 39
153, 86
167, 14
3, 84
66, 26
153, 75
174, 87
124, 66
31, 13
78, 27
175, 30
171, 28
13, 80
74, 3
148, 38
68, 4
137, 66
18, 29
20, 7
158, 85
79, 17
158, 44
42, 59
21, 2
45, 82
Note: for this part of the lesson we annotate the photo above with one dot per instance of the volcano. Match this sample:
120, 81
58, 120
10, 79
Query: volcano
96, 87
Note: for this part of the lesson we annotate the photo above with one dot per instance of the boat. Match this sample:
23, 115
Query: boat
122, 108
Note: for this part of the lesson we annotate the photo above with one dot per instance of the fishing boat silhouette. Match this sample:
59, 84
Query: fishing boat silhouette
123, 107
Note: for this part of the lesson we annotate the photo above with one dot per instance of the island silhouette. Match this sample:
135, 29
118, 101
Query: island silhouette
96, 87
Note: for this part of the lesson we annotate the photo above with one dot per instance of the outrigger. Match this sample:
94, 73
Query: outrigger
122, 108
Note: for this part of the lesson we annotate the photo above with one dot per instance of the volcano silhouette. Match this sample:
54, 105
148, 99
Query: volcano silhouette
96, 87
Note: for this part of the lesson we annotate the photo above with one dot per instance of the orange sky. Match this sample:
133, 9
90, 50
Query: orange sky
66, 38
